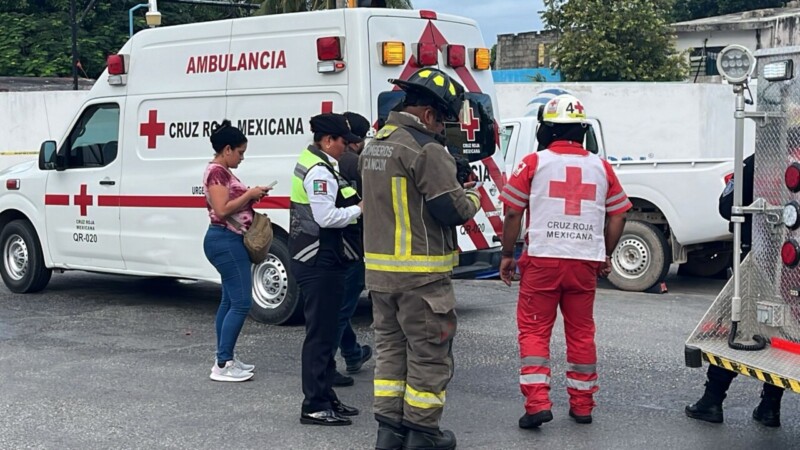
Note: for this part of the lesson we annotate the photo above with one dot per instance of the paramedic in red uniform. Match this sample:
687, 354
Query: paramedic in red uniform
577, 213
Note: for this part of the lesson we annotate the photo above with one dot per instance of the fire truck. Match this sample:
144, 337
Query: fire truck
753, 326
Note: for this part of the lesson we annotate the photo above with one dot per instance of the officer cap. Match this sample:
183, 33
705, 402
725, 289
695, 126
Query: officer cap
358, 124
333, 124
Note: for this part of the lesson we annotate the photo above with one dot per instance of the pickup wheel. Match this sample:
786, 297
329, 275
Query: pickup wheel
276, 298
641, 259
22, 264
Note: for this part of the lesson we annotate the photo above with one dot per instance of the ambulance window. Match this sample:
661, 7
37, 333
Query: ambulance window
93, 141
505, 138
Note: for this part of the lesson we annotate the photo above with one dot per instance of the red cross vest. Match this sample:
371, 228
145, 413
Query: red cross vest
568, 207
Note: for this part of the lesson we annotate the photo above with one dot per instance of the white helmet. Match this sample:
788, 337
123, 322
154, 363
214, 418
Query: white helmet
564, 108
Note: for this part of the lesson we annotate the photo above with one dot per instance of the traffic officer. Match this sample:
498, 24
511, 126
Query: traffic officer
577, 213
322, 205
354, 354
413, 203
709, 407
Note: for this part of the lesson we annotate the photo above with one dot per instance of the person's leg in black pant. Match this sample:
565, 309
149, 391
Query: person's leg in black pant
709, 407
768, 411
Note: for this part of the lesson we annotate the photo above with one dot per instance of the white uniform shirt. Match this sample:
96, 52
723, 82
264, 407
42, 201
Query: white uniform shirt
322, 188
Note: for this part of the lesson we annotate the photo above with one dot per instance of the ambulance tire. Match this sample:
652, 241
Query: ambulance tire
22, 262
276, 299
641, 259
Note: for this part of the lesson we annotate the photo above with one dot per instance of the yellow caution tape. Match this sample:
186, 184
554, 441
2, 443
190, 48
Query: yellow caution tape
771, 378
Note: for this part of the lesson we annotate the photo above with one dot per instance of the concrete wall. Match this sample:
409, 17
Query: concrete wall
524, 50
28, 118
649, 120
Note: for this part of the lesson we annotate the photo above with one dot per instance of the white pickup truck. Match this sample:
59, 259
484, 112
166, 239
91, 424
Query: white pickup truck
674, 217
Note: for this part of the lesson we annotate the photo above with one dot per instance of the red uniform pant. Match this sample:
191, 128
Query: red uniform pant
546, 284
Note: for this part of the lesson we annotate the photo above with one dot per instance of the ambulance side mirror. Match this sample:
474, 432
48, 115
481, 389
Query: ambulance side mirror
47, 155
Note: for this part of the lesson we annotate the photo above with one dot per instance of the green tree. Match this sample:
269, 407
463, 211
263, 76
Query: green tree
698, 9
36, 33
623, 40
289, 6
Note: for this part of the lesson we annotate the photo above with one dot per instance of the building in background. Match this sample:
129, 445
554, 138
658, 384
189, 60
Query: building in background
525, 57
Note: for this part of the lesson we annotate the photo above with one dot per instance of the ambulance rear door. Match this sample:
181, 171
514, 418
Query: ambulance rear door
452, 39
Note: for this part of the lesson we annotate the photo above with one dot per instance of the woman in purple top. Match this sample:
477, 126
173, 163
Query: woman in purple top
230, 208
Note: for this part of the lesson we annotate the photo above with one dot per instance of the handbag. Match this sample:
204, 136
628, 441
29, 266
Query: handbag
257, 238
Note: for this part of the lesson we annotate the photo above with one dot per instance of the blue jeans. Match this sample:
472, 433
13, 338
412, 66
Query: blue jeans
225, 250
354, 285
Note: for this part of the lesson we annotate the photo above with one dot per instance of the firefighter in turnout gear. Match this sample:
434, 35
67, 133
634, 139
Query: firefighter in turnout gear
570, 194
413, 203
323, 204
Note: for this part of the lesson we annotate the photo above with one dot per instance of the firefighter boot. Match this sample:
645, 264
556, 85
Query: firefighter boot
390, 436
535, 420
420, 440
708, 408
768, 412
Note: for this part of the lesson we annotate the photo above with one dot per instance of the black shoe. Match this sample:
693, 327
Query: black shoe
419, 440
535, 420
344, 410
327, 417
768, 412
580, 419
708, 409
366, 354
340, 380
390, 438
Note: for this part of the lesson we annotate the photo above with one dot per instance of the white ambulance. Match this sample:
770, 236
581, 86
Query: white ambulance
122, 190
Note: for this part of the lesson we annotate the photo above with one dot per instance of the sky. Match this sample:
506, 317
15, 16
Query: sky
493, 16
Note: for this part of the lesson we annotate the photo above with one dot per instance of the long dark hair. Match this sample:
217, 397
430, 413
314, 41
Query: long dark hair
226, 134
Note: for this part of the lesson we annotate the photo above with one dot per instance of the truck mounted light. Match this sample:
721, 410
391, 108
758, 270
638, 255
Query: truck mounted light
427, 54
481, 59
393, 53
791, 212
735, 63
792, 177
790, 253
779, 71
456, 55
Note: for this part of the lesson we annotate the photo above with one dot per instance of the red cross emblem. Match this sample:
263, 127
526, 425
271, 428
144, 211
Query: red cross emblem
579, 107
83, 200
573, 191
152, 128
473, 126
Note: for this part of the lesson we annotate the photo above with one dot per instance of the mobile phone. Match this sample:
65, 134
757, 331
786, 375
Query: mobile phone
272, 184
477, 184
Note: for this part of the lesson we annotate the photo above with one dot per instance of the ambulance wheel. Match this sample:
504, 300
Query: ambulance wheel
641, 259
275, 294
22, 264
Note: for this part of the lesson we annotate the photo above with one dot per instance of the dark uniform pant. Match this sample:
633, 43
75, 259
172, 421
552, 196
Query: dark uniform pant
414, 332
322, 288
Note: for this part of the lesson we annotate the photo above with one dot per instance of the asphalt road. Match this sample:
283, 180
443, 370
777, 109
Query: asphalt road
100, 361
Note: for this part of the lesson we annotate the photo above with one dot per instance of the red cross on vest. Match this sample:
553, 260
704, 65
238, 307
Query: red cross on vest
83, 200
473, 125
152, 128
573, 191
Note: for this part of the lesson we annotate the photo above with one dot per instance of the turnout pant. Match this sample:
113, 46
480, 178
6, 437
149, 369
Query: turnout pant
719, 380
414, 332
322, 288
546, 285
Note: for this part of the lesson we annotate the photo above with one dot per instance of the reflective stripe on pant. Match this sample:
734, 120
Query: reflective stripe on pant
413, 345
546, 285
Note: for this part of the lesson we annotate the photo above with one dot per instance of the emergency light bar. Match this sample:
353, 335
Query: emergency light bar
117, 70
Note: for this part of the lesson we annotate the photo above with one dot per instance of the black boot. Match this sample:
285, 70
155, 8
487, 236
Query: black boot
420, 440
708, 408
535, 420
768, 412
390, 437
